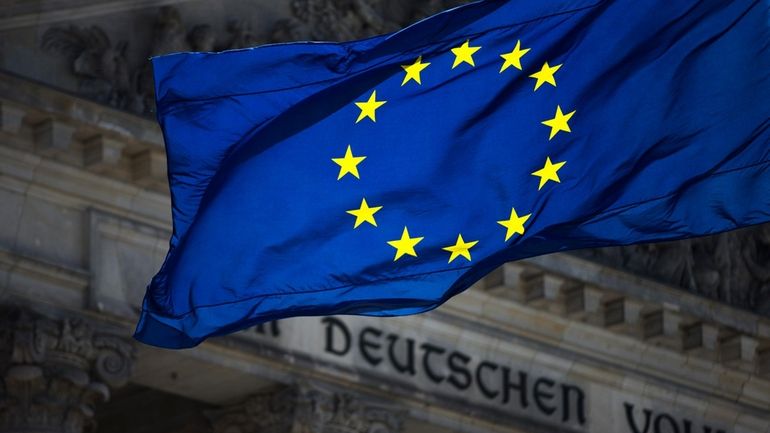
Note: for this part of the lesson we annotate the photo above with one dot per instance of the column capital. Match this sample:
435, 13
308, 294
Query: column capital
54, 371
307, 409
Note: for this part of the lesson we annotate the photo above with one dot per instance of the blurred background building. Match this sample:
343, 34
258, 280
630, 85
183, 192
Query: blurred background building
665, 338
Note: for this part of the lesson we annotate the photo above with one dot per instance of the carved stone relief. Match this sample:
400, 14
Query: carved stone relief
100, 65
55, 371
306, 410
105, 74
268, 413
343, 20
733, 267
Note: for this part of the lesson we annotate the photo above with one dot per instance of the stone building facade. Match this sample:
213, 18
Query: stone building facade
665, 338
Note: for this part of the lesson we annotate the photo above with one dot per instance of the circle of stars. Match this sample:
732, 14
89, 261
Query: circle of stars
463, 57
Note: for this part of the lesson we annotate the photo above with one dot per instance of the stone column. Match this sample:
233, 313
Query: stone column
53, 372
304, 409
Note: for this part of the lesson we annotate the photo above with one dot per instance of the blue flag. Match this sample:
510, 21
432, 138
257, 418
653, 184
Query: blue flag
383, 176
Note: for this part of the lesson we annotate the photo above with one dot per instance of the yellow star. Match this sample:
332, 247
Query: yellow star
413, 71
369, 107
365, 214
545, 75
348, 163
461, 248
405, 245
549, 172
514, 57
559, 122
514, 224
464, 54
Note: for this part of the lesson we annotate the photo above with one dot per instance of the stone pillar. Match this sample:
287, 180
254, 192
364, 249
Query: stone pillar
303, 409
53, 372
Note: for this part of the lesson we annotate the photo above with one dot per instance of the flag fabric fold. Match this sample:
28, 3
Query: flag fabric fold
384, 176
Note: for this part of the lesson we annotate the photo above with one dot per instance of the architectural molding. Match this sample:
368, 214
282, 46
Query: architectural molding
644, 316
575, 267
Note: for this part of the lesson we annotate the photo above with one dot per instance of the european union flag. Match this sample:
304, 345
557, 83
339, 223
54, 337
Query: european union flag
383, 176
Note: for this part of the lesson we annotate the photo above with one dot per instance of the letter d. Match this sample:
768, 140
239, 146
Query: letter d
332, 324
